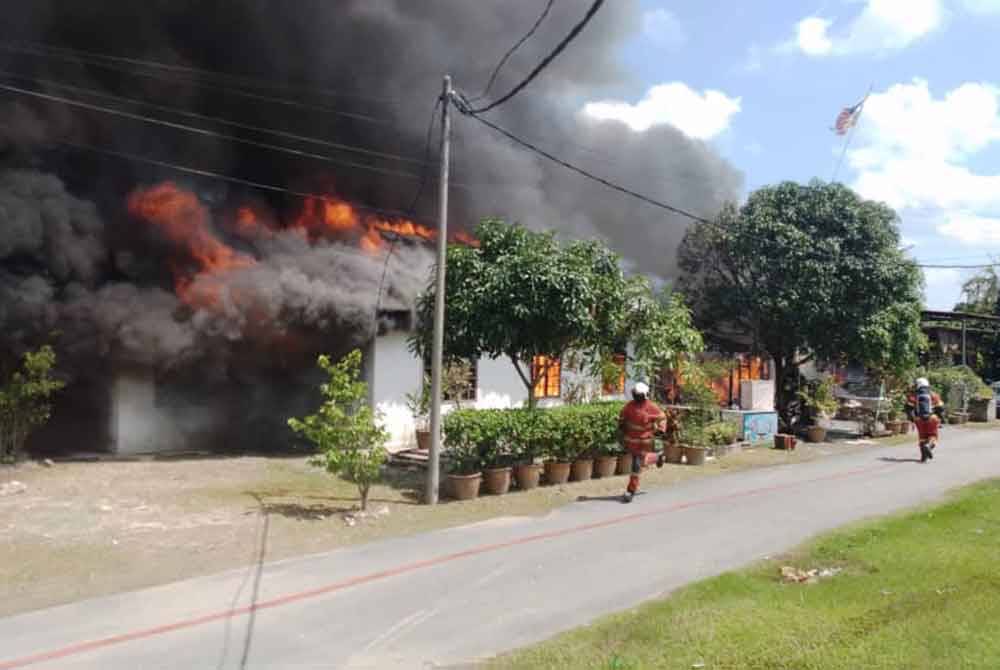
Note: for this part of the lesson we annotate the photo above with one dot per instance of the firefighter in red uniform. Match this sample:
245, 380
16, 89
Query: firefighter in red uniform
639, 422
925, 409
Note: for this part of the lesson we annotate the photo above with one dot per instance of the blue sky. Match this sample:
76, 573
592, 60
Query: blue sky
764, 81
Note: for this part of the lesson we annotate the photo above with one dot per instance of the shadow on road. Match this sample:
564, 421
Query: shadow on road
614, 498
892, 459
255, 571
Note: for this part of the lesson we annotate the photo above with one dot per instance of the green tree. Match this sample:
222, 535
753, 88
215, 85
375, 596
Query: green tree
807, 271
523, 294
345, 430
26, 401
980, 293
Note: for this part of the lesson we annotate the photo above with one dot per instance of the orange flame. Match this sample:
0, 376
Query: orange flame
249, 225
184, 221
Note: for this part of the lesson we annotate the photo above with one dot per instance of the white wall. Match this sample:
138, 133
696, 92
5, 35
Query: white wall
139, 425
395, 372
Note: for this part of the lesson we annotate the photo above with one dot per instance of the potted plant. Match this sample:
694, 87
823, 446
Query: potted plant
462, 446
722, 436
557, 445
981, 405
524, 430
694, 445
419, 405
604, 444
497, 457
820, 404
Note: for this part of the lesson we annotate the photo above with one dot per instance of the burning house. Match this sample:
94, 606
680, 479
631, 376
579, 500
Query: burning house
195, 197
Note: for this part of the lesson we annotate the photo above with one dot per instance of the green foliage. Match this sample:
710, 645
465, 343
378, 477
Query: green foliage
807, 270
818, 398
957, 383
476, 439
522, 294
721, 433
980, 293
25, 401
345, 430
662, 333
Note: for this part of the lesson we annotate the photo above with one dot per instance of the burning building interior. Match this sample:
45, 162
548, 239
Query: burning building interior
197, 198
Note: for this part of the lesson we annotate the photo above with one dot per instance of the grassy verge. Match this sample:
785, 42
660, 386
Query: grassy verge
914, 591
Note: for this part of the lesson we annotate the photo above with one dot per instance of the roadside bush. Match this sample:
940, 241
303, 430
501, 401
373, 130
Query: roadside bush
721, 434
952, 381
475, 439
345, 430
26, 401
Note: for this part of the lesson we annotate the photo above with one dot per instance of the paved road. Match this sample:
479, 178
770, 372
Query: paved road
445, 598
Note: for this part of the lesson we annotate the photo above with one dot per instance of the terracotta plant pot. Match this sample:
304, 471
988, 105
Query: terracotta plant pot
695, 455
424, 440
605, 466
906, 428
527, 476
465, 487
582, 470
673, 453
557, 473
496, 481
816, 434
784, 442
625, 464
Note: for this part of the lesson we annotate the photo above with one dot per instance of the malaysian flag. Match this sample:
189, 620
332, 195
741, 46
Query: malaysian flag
847, 118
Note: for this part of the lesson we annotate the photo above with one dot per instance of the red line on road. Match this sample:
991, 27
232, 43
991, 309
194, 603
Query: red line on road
84, 647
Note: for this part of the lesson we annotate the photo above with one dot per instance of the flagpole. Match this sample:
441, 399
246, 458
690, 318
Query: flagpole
850, 134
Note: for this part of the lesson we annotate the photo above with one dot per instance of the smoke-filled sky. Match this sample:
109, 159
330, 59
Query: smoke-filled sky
363, 73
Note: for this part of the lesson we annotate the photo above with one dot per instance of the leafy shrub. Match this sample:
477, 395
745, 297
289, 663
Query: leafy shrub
25, 401
721, 433
476, 439
345, 429
951, 382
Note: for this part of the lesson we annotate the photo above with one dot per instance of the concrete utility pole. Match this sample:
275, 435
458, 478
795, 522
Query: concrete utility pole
437, 346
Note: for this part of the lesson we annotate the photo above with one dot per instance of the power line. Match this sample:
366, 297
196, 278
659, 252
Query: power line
656, 203
325, 109
510, 52
242, 80
214, 119
569, 166
234, 180
209, 133
577, 29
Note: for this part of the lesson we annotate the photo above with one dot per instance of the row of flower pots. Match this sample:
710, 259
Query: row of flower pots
500, 480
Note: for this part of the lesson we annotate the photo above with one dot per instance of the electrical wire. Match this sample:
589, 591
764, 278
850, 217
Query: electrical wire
462, 106
513, 49
38, 48
234, 180
569, 166
411, 209
214, 119
325, 109
577, 29
209, 133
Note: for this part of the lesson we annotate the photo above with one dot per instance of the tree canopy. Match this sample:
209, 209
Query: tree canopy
807, 271
981, 293
523, 294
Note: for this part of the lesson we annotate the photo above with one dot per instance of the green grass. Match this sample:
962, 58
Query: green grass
920, 591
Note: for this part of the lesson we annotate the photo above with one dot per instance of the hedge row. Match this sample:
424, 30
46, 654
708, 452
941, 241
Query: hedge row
478, 439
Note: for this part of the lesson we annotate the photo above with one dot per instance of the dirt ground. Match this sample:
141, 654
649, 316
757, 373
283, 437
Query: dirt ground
80, 530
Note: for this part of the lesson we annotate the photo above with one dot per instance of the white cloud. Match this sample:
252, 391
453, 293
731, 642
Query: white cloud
663, 28
701, 115
913, 148
882, 25
812, 38
972, 229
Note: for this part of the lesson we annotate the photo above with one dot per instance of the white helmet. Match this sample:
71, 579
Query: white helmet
923, 383
641, 389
